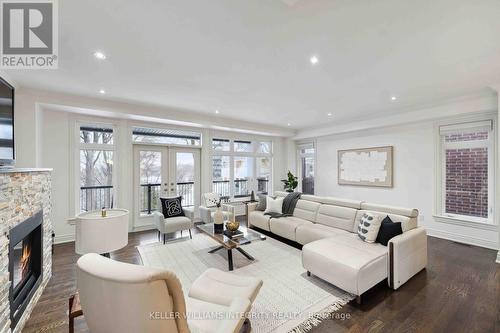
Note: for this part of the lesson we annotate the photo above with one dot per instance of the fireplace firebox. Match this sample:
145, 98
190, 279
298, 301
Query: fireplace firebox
25, 264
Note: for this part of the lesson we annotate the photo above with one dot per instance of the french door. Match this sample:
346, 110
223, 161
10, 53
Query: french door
164, 172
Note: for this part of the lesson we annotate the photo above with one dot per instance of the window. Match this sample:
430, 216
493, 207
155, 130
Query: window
265, 147
221, 175
263, 173
165, 136
221, 144
243, 146
243, 175
307, 158
467, 180
96, 156
240, 167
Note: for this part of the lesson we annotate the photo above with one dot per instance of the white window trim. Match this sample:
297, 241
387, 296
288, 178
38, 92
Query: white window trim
452, 124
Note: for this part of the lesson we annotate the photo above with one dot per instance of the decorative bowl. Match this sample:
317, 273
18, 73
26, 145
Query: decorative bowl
232, 225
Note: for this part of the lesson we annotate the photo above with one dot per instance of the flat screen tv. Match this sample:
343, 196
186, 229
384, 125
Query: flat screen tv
7, 154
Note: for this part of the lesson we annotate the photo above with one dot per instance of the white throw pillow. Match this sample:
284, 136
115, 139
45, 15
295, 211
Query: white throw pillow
369, 226
274, 205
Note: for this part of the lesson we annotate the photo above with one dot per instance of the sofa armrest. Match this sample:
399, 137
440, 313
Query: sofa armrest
407, 256
205, 214
159, 220
252, 206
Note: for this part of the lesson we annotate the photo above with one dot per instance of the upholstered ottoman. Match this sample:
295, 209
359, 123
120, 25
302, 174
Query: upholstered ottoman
221, 287
346, 262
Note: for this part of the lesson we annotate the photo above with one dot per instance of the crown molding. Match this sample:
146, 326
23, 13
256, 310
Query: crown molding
104, 107
481, 102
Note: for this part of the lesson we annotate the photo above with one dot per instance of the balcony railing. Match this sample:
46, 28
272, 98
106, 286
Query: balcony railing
95, 197
241, 187
149, 197
150, 194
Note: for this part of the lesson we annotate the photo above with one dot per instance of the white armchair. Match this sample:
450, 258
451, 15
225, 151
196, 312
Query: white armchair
209, 206
118, 297
173, 224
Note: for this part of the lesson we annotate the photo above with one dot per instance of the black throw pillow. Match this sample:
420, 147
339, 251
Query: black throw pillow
171, 207
388, 230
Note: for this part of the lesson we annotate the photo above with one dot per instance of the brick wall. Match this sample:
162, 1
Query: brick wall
467, 181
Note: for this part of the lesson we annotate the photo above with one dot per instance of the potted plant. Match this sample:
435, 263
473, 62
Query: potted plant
291, 183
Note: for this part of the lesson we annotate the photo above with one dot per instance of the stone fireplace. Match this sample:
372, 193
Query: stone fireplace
25, 243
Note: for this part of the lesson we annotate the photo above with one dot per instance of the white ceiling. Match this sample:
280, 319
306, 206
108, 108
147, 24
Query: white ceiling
250, 58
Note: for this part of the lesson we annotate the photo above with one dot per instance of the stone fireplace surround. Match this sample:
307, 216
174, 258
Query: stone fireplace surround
23, 192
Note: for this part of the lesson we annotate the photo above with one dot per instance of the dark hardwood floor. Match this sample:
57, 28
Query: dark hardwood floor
458, 292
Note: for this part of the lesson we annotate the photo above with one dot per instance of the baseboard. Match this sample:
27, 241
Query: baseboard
64, 238
462, 239
143, 227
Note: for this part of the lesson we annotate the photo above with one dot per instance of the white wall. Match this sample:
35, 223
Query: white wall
414, 176
414, 165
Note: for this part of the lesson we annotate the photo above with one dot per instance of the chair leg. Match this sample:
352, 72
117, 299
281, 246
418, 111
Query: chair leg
181, 233
247, 326
190, 236
159, 236
164, 238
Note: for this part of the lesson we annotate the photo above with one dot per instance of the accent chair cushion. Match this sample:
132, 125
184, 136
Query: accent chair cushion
274, 205
172, 207
368, 227
388, 230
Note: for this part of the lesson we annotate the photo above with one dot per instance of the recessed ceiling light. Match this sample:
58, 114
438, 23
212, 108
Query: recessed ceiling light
314, 60
329, 114
102, 91
99, 55
217, 111
393, 98
288, 124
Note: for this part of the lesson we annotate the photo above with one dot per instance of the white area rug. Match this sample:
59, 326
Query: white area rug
288, 301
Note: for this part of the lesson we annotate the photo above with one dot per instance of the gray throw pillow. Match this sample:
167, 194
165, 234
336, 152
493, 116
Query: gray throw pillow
262, 202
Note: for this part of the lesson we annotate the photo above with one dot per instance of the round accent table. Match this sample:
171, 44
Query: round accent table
102, 235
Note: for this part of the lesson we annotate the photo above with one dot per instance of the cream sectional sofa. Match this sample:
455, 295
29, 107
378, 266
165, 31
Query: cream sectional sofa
332, 250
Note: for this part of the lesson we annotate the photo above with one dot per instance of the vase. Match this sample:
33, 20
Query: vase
218, 221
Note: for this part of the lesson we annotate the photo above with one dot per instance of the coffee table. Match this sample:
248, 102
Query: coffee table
231, 244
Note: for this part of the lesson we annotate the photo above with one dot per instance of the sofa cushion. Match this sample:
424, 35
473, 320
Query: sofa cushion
262, 204
388, 230
407, 223
307, 233
336, 216
274, 205
172, 207
258, 219
306, 210
347, 262
286, 226
369, 226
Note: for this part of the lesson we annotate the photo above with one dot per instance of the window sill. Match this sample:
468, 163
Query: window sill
465, 222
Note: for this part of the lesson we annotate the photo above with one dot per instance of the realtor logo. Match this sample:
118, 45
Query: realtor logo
29, 34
